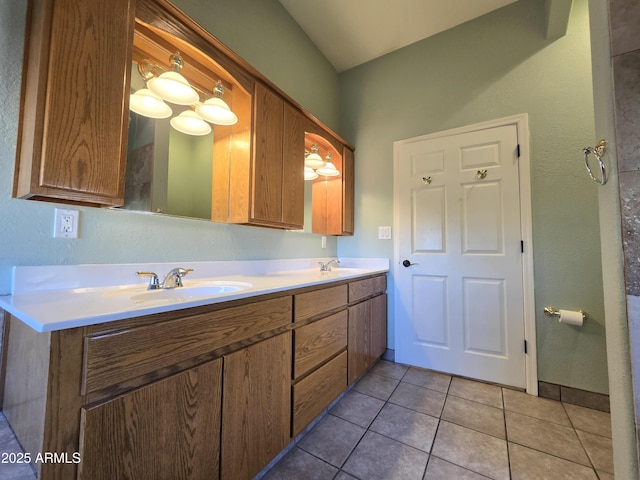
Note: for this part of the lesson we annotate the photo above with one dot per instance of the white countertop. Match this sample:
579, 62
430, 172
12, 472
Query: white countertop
57, 297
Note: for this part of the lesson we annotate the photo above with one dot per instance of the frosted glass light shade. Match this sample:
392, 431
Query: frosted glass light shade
145, 102
190, 123
173, 87
313, 160
329, 170
216, 111
309, 174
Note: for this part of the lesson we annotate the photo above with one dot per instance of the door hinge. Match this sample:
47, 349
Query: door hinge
525, 346
521, 246
518, 150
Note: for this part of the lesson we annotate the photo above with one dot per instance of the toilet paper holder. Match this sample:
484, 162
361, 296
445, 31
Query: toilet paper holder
555, 313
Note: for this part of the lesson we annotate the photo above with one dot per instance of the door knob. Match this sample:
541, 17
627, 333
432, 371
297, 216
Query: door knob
407, 263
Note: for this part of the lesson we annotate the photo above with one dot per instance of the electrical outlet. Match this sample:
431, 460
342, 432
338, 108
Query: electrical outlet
66, 223
324, 242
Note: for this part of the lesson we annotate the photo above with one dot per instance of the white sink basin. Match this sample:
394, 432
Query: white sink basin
190, 292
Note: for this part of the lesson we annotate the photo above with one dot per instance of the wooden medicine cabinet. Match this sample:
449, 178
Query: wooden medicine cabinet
74, 109
75, 138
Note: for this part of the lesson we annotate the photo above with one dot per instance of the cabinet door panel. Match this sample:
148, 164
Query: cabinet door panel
167, 430
348, 179
75, 118
378, 326
293, 168
267, 171
256, 408
359, 339
367, 334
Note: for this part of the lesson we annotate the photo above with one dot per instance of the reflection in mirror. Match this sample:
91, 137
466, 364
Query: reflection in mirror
168, 171
172, 151
326, 184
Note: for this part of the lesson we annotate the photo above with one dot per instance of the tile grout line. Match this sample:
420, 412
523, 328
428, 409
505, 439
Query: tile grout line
370, 371
506, 432
584, 449
435, 434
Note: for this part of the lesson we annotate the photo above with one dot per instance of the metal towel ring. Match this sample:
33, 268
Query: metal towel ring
598, 152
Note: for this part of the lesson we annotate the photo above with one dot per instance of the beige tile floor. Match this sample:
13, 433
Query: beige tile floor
9, 445
408, 423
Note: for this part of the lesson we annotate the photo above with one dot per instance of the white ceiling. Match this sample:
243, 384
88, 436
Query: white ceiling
351, 32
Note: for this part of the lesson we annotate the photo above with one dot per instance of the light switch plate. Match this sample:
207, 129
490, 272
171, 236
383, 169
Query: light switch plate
66, 223
384, 233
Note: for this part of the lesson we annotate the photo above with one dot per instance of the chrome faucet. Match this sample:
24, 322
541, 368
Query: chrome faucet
174, 277
326, 267
172, 280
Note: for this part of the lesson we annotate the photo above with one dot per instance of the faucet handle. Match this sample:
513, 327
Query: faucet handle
154, 281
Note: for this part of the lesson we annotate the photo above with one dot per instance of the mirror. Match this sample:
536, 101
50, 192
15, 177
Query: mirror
171, 170
176, 173
168, 171
327, 185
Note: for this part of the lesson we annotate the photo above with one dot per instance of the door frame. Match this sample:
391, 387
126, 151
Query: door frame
521, 121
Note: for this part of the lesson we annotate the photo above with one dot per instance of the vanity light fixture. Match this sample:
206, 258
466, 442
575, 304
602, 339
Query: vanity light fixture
310, 174
329, 169
189, 122
215, 110
145, 102
172, 86
313, 160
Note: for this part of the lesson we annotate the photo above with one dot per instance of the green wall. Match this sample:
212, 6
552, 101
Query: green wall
261, 32
496, 66
264, 34
190, 175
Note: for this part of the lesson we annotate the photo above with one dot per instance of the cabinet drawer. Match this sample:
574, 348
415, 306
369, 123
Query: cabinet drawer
318, 341
367, 288
311, 304
115, 357
314, 393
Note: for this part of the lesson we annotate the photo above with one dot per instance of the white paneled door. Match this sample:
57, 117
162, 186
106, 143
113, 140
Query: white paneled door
459, 285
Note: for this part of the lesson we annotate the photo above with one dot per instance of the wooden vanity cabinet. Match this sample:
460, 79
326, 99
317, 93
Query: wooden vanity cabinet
74, 103
210, 392
367, 324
